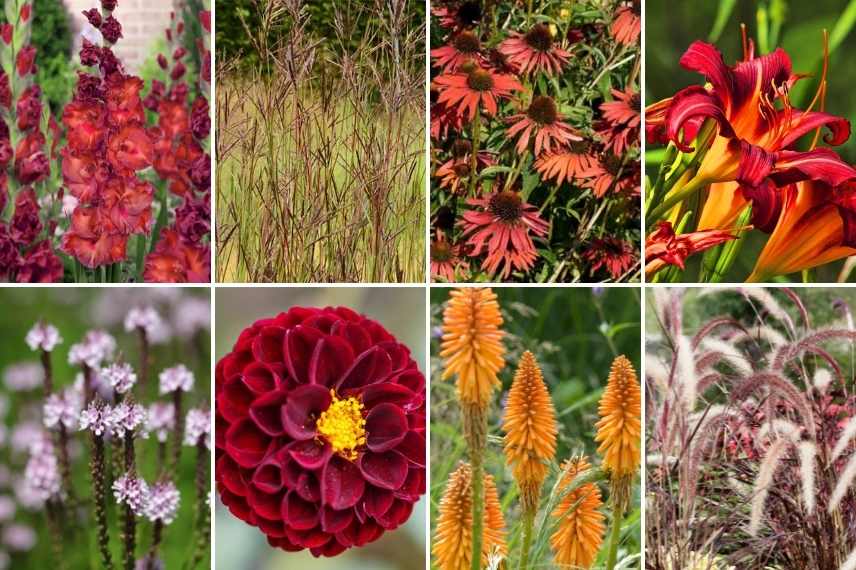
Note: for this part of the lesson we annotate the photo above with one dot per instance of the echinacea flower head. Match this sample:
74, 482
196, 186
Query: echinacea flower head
542, 123
663, 247
97, 418
500, 226
609, 174
43, 336
627, 23
127, 418
579, 527
121, 377
473, 88
614, 254
453, 539
566, 164
197, 427
463, 47
163, 502
472, 348
625, 109
455, 172
160, 421
445, 258
536, 51
96, 347
143, 318
619, 430
530, 430
320, 438
177, 378
132, 491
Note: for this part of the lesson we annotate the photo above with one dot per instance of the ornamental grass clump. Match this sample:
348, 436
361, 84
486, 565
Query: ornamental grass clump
750, 454
562, 522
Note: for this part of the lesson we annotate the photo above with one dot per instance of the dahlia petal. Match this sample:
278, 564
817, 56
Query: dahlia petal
386, 470
284, 543
268, 476
397, 394
220, 427
266, 412
341, 484
414, 380
267, 347
310, 454
233, 364
246, 444
398, 354
297, 513
322, 321
298, 347
356, 336
265, 505
333, 521
413, 487
235, 399
331, 358
330, 549
304, 403
376, 331
308, 487
272, 528
374, 365
237, 505
394, 516
413, 448
260, 378
386, 427
368, 532
229, 474
377, 501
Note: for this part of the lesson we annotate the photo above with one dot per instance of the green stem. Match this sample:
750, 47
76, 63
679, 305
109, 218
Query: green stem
614, 538
528, 523
474, 159
669, 202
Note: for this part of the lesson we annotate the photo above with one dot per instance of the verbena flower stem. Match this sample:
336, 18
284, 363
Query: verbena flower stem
614, 536
99, 499
157, 536
144, 358
130, 531
178, 430
528, 523
203, 539
53, 514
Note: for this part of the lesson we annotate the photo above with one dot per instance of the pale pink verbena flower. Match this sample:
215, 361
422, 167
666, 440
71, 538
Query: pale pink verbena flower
145, 318
96, 347
132, 491
163, 502
176, 378
41, 474
63, 408
19, 537
7, 508
26, 435
197, 426
43, 336
120, 376
160, 421
127, 418
192, 315
97, 418
23, 376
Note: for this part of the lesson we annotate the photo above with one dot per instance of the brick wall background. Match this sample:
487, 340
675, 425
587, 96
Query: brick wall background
143, 21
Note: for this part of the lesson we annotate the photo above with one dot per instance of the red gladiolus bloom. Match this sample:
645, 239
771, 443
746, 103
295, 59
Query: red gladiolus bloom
40, 265
479, 87
463, 48
663, 247
535, 51
6, 33
31, 163
176, 261
10, 257
25, 224
123, 100
627, 24
129, 203
568, 164
543, 121
130, 149
82, 174
92, 238
320, 438
25, 61
500, 227
25, 12
29, 108
445, 258
173, 118
613, 254
86, 124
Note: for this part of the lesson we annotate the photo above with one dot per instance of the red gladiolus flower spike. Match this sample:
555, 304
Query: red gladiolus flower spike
321, 430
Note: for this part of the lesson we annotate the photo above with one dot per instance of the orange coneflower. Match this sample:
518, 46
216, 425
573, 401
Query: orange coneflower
473, 88
535, 51
455, 171
446, 258
543, 121
579, 532
472, 343
575, 161
625, 109
464, 47
615, 255
619, 429
609, 174
530, 430
627, 24
453, 539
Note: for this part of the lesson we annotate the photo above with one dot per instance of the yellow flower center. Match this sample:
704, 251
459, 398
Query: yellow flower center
343, 425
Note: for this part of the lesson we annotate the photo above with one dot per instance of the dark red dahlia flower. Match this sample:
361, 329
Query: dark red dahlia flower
320, 430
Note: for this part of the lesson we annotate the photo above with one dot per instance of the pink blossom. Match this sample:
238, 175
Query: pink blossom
127, 418
23, 376
43, 336
161, 421
63, 409
19, 537
176, 378
164, 499
96, 347
145, 318
132, 491
198, 426
120, 376
97, 418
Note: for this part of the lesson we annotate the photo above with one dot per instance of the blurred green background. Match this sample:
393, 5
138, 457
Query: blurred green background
794, 25
575, 333
74, 311
401, 310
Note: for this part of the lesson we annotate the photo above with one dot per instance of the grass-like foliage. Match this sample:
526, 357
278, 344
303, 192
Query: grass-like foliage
750, 430
320, 146
106, 429
534, 433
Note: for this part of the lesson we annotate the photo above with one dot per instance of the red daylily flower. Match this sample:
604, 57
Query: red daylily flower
535, 51
320, 438
478, 88
663, 247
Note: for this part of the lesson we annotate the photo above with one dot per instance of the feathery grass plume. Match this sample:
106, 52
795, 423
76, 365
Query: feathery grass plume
453, 538
844, 439
696, 561
763, 481
530, 430
843, 484
821, 380
685, 368
850, 562
472, 343
579, 532
619, 429
808, 451
727, 352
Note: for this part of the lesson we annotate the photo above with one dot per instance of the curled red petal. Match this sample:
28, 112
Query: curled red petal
266, 412
297, 513
304, 404
386, 427
386, 470
310, 454
246, 443
341, 484
688, 106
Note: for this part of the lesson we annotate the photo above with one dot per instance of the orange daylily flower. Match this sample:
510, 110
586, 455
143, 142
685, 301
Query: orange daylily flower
663, 247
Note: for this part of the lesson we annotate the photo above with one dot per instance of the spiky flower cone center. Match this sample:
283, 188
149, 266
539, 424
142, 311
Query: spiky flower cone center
635, 102
343, 426
507, 206
467, 43
539, 38
461, 148
441, 251
636, 7
480, 80
611, 164
580, 147
461, 169
543, 110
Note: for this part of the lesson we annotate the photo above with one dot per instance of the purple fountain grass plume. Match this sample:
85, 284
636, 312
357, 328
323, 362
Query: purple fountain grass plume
761, 333
807, 451
685, 370
668, 306
850, 561
845, 438
723, 351
763, 481
798, 303
719, 322
764, 298
842, 486
821, 380
779, 387
808, 342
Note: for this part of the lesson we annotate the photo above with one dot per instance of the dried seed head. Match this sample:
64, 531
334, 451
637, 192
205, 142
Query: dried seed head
467, 42
539, 38
480, 80
543, 110
506, 205
579, 532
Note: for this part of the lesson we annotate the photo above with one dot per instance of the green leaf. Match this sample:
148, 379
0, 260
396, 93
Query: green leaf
723, 13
